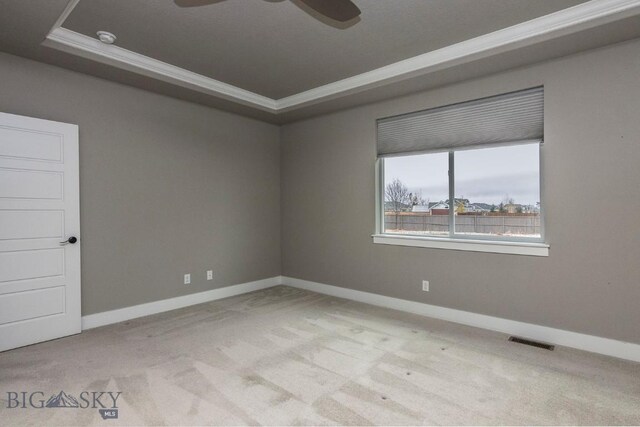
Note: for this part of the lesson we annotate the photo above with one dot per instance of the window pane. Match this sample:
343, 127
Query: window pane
416, 194
498, 191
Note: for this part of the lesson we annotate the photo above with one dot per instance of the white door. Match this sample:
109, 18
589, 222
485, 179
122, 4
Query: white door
39, 209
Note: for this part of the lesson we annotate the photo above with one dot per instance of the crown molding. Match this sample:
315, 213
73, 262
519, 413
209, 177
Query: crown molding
65, 14
567, 21
563, 22
88, 47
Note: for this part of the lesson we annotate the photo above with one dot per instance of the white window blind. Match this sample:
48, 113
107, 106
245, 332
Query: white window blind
508, 118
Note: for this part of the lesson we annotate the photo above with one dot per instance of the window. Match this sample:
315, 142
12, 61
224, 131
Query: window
496, 194
441, 186
416, 194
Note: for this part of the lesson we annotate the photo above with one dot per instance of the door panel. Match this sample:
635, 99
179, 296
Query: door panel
26, 144
39, 208
30, 184
26, 224
31, 304
31, 264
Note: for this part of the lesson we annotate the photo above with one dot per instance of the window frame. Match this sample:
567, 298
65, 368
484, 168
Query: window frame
536, 246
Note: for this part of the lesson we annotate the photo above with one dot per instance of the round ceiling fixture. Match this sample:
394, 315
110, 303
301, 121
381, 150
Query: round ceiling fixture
106, 37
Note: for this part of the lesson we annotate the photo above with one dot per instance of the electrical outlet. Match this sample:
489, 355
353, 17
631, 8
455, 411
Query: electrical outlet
209, 274
187, 279
425, 285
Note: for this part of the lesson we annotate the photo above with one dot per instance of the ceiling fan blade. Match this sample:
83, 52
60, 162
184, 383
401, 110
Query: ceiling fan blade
195, 3
338, 10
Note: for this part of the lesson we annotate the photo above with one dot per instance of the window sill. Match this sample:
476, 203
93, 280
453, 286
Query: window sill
513, 248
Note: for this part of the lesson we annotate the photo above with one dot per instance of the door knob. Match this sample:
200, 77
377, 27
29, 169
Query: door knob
71, 240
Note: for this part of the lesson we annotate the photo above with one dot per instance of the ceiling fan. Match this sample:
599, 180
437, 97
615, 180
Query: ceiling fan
338, 10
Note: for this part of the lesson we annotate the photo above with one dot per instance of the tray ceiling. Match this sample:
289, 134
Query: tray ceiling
277, 48
276, 61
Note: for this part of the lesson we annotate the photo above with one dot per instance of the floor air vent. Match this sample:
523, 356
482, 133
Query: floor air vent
532, 343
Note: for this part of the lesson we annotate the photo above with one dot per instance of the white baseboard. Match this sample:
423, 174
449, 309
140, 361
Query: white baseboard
606, 346
128, 313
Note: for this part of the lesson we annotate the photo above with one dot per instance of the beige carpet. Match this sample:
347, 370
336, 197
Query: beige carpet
283, 356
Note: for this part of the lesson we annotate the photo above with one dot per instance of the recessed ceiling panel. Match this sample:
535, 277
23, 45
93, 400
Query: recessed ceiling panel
280, 48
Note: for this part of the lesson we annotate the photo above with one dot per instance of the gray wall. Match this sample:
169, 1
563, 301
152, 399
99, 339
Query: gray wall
590, 283
167, 187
